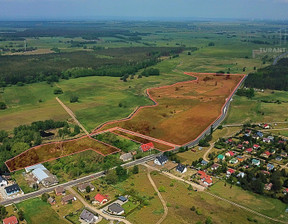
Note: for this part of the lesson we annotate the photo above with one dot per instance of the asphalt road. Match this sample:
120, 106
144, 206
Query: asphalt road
73, 182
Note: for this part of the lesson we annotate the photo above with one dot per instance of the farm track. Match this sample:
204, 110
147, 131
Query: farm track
70, 112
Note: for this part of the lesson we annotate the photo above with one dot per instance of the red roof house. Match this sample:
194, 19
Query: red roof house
249, 150
255, 146
100, 198
230, 153
10, 220
147, 147
230, 171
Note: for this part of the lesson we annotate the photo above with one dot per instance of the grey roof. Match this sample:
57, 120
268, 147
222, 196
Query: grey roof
39, 174
126, 156
68, 197
86, 215
83, 186
162, 159
180, 167
59, 189
50, 200
2, 178
122, 198
115, 207
12, 188
30, 168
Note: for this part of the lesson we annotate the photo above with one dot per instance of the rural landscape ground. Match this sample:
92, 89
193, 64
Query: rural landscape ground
101, 85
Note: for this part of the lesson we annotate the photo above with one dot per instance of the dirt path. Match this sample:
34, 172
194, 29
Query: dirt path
70, 112
205, 157
245, 208
159, 195
86, 204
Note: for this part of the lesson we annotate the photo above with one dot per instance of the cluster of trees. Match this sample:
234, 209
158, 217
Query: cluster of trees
24, 137
3, 106
271, 77
65, 131
53, 67
150, 72
249, 93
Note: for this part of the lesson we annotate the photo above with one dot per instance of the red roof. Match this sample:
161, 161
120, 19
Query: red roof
265, 125
208, 180
256, 146
10, 220
267, 153
246, 142
249, 150
231, 171
100, 198
231, 153
146, 147
230, 140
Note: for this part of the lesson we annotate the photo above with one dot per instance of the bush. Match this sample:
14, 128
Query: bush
74, 99
58, 91
3, 106
161, 189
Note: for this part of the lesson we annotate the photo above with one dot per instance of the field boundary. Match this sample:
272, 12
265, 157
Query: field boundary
192, 74
49, 160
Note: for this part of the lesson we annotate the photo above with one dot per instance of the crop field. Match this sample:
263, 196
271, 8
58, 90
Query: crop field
184, 110
52, 151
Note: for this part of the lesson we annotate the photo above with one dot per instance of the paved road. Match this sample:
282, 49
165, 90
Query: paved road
87, 205
159, 195
74, 182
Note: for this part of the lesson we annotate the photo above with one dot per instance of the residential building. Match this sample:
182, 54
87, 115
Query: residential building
43, 176
233, 161
12, 189
204, 162
126, 157
161, 160
60, 190
66, 199
88, 216
230, 153
181, 168
10, 220
205, 179
3, 182
147, 147
268, 187
122, 198
215, 166
99, 198
51, 201
255, 162
230, 172
82, 187
115, 209
249, 150
270, 166
220, 157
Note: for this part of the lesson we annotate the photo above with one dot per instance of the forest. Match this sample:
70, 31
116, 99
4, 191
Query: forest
117, 62
271, 77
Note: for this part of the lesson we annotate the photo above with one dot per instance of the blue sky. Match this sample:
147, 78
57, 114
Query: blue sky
89, 9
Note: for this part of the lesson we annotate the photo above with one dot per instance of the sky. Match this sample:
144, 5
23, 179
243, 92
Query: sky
137, 9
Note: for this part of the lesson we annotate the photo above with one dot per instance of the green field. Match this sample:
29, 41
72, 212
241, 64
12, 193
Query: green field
36, 211
254, 110
265, 205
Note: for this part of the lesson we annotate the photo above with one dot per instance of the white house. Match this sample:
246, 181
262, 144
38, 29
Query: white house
3, 182
181, 168
161, 160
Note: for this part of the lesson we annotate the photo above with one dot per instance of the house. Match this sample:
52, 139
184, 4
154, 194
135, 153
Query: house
266, 154
255, 162
101, 199
59, 191
161, 160
3, 182
233, 161
34, 167
215, 166
268, 187
230, 141
220, 157
82, 187
255, 146
126, 157
240, 146
12, 189
181, 168
204, 162
122, 198
230, 172
115, 209
259, 134
278, 158
241, 174
249, 150
206, 179
246, 143
266, 126
66, 199
230, 153
147, 147
51, 201
270, 166
240, 158
283, 154
88, 216
285, 191
271, 138
44, 177
266, 140
10, 220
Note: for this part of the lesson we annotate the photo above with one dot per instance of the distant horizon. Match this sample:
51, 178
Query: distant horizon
134, 9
